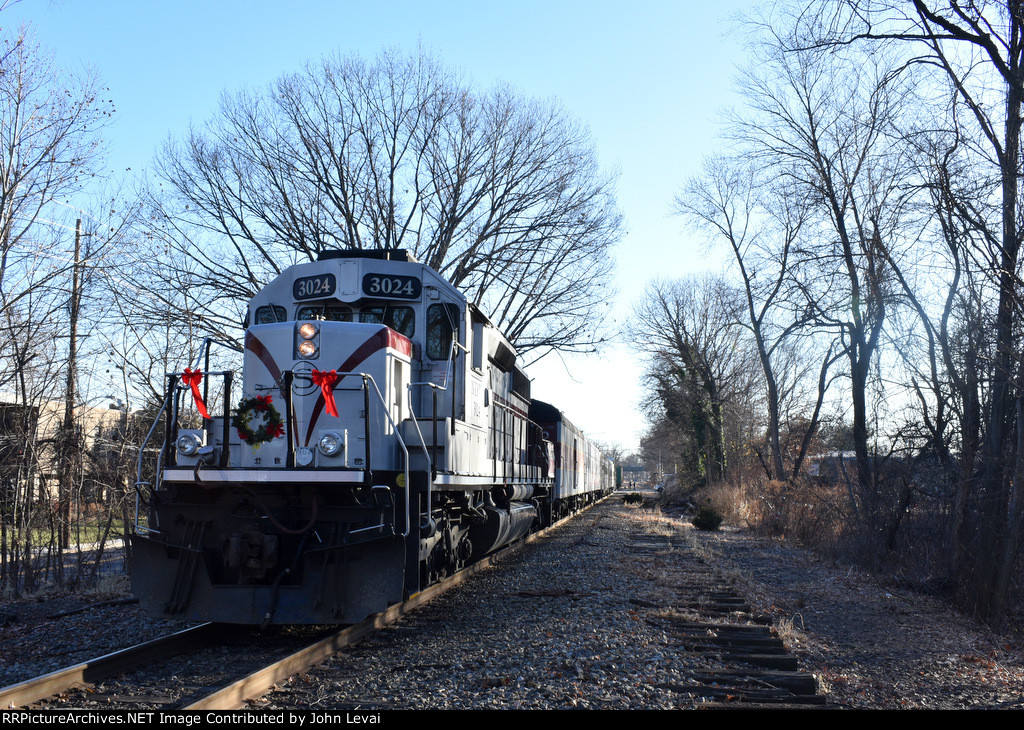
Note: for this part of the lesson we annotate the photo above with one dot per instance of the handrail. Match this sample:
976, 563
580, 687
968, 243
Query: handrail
384, 407
142, 452
142, 447
205, 357
174, 386
449, 369
204, 351
426, 454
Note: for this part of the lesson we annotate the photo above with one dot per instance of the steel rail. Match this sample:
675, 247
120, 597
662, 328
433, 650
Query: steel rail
95, 670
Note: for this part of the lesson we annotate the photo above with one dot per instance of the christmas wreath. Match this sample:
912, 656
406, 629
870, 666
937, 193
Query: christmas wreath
271, 428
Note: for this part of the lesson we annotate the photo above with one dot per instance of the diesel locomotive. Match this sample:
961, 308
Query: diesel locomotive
383, 438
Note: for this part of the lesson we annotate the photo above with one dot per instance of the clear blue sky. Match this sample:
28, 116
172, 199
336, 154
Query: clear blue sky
648, 77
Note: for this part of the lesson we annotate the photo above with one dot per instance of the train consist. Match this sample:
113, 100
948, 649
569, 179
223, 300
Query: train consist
385, 438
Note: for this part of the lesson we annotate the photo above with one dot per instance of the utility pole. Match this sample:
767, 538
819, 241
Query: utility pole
69, 439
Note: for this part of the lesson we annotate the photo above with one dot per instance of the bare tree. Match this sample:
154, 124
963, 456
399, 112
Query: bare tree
977, 48
502, 195
698, 366
824, 128
761, 222
48, 150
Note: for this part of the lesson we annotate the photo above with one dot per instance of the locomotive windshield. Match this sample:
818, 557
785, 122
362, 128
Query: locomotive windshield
270, 314
328, 313
400, 319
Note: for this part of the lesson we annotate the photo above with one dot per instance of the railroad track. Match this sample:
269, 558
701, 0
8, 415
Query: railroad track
710, 618
136, 677
72, 687
24, 694
711, 649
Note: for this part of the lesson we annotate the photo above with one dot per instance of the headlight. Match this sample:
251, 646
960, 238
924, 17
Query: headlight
308, 341
330, 444
188, 444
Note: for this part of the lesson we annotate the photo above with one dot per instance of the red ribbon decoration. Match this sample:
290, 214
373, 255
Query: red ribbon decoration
326, 379
192, 379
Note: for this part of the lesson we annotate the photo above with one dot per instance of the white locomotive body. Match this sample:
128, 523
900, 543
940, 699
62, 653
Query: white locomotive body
384, 438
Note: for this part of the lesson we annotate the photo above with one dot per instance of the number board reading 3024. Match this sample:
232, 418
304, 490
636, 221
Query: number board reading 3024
393, 286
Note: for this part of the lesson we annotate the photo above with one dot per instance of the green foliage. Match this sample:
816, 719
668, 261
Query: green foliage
707, 518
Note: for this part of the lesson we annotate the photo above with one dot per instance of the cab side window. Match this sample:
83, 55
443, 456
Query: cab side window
442, 322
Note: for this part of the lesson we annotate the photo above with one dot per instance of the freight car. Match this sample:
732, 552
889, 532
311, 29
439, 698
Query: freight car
385, 438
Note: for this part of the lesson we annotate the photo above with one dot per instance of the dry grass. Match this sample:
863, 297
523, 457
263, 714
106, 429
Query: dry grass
109, 588
670, 613
652, 519
105, 589
787, 630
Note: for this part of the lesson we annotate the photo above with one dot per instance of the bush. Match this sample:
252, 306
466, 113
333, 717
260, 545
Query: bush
633, 498
707, 518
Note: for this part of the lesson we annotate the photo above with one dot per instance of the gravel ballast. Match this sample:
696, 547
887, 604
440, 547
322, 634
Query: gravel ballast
577, 620
558, 625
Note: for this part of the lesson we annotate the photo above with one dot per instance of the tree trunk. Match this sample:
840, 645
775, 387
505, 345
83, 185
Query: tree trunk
993, 555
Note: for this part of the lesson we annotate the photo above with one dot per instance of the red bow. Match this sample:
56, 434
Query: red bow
326, 380
192, 380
